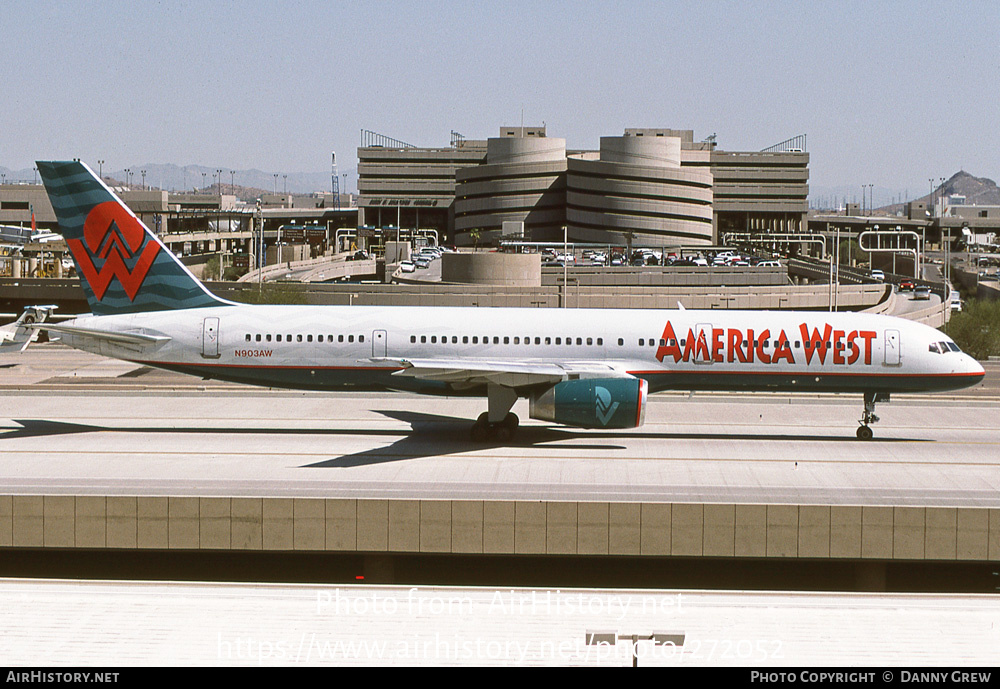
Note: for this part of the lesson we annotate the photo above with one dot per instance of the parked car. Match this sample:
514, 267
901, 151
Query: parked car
407, 266
878, 275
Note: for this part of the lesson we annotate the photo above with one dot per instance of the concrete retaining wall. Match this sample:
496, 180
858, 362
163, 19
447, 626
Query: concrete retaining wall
500, 527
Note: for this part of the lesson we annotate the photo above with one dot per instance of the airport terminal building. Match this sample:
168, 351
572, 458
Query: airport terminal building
648, 186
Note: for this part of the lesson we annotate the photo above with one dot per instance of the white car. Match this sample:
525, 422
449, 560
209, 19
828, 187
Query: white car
407, 266
878, 275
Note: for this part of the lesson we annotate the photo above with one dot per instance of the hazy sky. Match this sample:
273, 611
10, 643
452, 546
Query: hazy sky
889, 93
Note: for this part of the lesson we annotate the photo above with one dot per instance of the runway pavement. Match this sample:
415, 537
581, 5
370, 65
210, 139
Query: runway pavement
133, 623
74, 423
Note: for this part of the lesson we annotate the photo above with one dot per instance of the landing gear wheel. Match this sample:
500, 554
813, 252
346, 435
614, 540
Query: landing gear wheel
483, 430
865, 433
480, 431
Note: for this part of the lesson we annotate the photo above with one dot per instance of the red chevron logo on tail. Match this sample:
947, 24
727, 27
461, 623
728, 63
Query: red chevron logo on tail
114, 235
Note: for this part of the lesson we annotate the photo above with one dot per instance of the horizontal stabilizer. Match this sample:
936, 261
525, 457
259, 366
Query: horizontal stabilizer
133, 339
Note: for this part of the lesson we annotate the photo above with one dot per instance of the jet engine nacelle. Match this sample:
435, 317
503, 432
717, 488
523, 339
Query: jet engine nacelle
593, 403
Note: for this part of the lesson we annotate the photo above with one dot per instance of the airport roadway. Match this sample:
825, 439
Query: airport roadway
74, 423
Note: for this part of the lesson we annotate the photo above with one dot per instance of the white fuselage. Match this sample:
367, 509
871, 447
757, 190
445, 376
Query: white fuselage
332, 346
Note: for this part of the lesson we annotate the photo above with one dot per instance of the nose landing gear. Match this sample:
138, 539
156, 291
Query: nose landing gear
868, 417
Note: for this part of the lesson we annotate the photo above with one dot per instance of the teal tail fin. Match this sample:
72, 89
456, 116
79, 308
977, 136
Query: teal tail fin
123, 266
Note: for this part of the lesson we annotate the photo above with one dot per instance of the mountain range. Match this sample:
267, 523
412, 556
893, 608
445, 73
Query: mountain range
190, 177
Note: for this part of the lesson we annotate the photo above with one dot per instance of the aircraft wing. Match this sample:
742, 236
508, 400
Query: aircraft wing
134, 340
471, 372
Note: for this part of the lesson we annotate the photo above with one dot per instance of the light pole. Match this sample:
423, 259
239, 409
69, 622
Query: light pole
275, 183
232, 181
204, 180
143, 172
100, 167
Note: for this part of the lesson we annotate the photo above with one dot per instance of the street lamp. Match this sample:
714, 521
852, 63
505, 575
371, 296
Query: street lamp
143, 172
100, 167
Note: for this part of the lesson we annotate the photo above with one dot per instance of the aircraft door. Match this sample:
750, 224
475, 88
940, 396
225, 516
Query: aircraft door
210, 338
892, 353
378, 343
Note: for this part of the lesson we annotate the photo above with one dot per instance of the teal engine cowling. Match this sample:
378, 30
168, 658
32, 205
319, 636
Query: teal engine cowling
593, 403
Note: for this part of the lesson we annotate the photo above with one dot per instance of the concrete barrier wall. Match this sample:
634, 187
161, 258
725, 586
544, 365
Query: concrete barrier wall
332, 268
934, 316
810, 297
500, 527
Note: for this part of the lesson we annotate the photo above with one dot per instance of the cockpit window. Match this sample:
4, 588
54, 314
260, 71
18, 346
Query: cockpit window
943, 347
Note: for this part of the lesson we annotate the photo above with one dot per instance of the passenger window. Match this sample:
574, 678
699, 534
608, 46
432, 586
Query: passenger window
538, 340
590, 341
298, 338
248, 337
361, 338
434, 339
350, 338
475, 339
258, 337
642, 342
465, 339
506, 340
423, 339
413, 339
558, 340
517, 340
319, 339
548, 340
340, 338
278, 338
454, 339
621, 342
309, 338
268, 338
600, 341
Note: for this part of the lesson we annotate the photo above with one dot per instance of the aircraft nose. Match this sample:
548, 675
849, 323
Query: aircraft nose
974, 369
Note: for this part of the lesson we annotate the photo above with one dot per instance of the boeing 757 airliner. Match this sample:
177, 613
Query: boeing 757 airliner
588, 368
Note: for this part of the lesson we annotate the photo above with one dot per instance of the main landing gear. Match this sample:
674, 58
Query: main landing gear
864, 432
499, 423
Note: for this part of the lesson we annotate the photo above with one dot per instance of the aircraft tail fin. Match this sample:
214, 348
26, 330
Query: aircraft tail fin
123, 266
19, 334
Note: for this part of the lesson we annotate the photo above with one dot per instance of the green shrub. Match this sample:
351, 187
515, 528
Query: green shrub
976, 329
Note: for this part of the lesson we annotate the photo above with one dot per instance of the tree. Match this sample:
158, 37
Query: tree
976, 329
